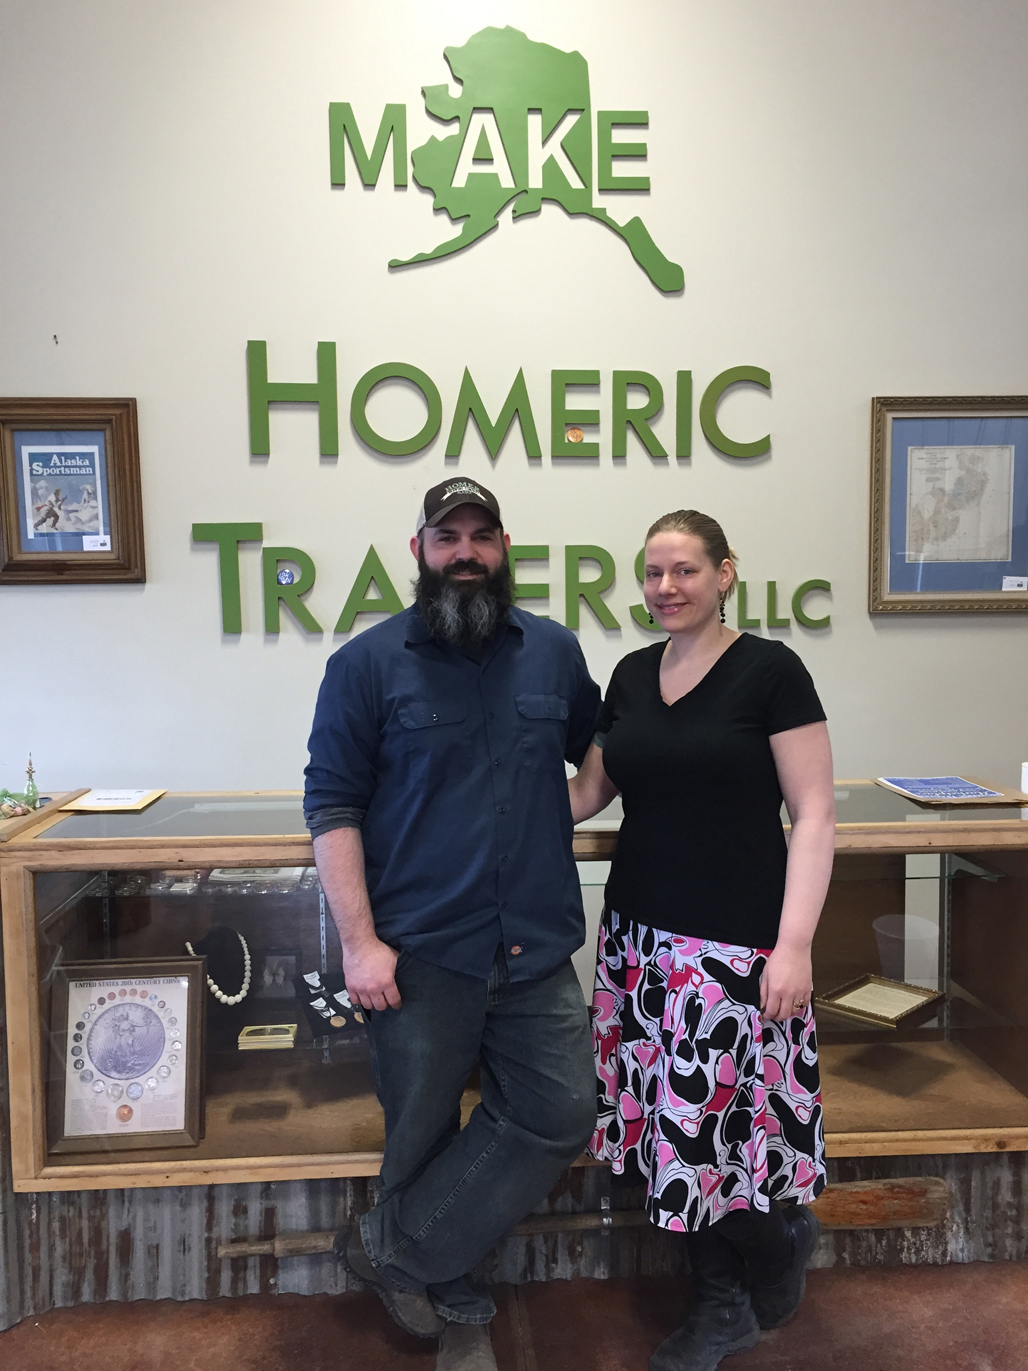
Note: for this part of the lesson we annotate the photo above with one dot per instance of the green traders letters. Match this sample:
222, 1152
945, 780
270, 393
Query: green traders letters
590, 577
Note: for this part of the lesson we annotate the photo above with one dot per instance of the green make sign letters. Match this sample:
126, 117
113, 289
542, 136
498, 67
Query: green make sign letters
524, 135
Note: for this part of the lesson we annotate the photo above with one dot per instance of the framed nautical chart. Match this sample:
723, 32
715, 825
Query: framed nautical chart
126, 1055
949, 504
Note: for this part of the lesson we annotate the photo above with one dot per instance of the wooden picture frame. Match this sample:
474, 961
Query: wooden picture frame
70, 502
949, 505
126, 1081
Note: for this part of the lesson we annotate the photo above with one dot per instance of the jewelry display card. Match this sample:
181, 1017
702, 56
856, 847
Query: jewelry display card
126, 1055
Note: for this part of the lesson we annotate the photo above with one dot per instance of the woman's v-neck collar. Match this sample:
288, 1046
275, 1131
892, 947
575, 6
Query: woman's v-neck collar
703, 679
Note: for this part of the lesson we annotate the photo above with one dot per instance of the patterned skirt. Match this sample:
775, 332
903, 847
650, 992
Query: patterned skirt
716, 1109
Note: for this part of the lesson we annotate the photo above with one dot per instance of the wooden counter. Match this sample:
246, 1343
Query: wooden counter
955, 1090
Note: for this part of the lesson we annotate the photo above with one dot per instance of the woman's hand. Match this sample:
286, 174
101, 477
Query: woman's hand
786, 985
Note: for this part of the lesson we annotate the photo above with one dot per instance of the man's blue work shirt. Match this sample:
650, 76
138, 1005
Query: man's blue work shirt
458, 766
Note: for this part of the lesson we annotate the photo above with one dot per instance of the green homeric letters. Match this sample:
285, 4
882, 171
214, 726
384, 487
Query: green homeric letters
524, 136
636, 400
589, 575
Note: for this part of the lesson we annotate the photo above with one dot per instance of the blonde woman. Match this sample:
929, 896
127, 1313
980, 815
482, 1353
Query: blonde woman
702, 1027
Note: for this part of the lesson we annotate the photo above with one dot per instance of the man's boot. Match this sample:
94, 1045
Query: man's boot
412, 1311
465, 1347
720, 1321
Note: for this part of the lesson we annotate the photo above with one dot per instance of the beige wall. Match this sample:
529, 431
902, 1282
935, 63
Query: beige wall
844, 184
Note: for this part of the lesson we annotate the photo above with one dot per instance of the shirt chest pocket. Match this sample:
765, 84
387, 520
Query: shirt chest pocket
418, 714
543, 726
433, 730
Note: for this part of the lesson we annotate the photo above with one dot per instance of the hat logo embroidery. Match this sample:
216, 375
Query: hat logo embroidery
462, 488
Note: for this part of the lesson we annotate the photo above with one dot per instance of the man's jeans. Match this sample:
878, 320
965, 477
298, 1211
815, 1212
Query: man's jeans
449, 1194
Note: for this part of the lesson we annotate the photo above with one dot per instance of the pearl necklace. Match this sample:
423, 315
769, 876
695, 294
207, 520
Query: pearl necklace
216, 990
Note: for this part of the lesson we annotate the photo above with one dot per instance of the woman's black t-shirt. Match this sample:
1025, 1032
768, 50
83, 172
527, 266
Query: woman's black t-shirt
701, 850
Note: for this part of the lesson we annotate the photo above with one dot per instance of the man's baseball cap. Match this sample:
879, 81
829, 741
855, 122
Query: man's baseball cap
448, 495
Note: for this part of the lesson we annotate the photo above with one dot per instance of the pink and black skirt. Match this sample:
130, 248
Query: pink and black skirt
714, 1107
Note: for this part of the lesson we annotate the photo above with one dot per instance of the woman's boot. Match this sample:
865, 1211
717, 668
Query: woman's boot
776, 1298
776, 1248
721, 1320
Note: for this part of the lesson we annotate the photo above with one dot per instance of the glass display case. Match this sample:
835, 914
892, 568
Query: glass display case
190, 872
933, 897
936, 897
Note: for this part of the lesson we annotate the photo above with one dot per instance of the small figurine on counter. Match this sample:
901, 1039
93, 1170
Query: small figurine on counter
31, 795
14, 804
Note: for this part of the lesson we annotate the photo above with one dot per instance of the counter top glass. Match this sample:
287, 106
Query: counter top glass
192, 816
864, 802
280, 813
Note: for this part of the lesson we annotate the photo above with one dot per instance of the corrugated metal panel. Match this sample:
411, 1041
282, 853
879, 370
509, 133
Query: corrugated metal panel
65, 1249
91, 1246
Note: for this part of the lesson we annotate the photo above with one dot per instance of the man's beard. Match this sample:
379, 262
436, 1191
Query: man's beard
464, 613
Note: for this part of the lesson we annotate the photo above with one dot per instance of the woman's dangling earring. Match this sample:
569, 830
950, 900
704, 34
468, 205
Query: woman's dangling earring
651, 618
722, 600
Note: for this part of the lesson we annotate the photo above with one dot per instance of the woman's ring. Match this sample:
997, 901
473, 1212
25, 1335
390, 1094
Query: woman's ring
799, 1004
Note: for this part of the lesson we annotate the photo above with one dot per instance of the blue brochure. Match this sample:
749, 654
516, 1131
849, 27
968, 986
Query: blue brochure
938, 788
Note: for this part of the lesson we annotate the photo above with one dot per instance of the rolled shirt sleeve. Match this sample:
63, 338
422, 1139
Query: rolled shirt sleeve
325, 820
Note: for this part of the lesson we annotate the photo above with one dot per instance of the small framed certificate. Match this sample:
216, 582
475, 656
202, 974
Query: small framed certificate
877, 1000
127, 1053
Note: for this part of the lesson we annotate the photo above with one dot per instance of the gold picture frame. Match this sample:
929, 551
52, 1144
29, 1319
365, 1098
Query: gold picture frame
949, 505
921, 1003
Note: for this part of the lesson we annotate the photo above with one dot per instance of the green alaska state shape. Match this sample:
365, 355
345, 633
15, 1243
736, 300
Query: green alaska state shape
505, 72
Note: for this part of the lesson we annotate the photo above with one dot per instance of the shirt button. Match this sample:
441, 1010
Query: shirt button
503, 859
435, 718
503, 809
503, 905
492, 715
516, 950
497, 762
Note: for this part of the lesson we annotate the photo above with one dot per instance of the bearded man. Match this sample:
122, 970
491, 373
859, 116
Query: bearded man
437, 800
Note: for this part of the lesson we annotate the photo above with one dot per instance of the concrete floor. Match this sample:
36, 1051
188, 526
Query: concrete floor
953, 1318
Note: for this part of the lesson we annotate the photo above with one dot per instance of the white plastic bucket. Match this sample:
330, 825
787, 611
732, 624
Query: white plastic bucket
908, 948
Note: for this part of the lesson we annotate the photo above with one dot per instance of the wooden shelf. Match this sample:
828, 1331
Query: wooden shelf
890, 1087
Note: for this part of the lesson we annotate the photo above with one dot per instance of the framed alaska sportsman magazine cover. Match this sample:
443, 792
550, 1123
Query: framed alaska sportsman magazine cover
70, 504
